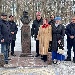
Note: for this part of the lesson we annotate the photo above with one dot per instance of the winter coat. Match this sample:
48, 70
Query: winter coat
35, 27
5, 31
57, 34
13, 28
52, 22
44, 36
70, 31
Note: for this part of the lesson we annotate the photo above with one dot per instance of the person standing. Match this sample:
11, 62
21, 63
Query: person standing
52, 20
44, 36
14, 29
70, 32
58, 33
5, 36
34, 31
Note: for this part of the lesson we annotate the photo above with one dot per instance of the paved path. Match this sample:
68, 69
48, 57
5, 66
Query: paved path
28, 61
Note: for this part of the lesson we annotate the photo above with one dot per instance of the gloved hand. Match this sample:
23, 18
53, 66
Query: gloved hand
50, 46
50, 42
32, 36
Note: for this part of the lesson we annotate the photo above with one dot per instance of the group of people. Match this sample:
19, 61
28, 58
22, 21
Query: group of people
8, 31
49, 37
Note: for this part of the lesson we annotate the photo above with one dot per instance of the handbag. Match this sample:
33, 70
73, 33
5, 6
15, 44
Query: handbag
60, 51
60, 48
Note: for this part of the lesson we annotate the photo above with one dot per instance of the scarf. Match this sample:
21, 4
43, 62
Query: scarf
56, 25
45, 25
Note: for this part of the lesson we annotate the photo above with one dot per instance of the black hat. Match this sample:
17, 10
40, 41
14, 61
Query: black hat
3, 14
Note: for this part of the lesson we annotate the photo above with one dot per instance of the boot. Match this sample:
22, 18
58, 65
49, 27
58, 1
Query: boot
73, 59
68, 59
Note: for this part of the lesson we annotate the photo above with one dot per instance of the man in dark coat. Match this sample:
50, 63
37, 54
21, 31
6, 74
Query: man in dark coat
70, 32
52, 20
34, 31
5, 36
14, 29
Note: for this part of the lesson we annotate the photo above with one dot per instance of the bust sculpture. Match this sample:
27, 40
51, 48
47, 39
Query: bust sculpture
25, 18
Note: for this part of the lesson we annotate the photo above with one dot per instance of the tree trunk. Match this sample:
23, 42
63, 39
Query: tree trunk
0, 6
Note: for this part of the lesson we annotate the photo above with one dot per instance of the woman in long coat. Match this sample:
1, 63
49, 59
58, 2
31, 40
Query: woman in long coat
57, 38
44, 36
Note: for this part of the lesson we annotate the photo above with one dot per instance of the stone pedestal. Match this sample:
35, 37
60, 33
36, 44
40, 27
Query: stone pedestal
2, 60
25, 40
49, 58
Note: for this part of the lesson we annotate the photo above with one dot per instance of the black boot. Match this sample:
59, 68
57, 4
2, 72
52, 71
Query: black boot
42, 57
68, 59
73, 59
45, 58
37, 55
13, 54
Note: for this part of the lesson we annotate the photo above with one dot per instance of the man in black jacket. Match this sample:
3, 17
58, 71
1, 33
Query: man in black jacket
34, 31
52, 21
70, 32
14, 29
5, 36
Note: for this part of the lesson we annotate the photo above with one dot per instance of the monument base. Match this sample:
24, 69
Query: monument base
2, 60
26, 55
25, 40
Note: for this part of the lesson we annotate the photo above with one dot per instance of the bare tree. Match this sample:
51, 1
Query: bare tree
0, 6
61, 8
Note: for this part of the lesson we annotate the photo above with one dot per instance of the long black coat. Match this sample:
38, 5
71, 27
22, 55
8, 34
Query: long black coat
13, 28
57, 34
70, 31
5, 31
35, 27
52, 22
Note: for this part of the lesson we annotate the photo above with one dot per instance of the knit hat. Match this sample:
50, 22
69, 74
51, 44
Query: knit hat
57, 18
38, 13
3, 14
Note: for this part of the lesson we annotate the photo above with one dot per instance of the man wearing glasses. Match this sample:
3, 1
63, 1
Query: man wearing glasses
70, 32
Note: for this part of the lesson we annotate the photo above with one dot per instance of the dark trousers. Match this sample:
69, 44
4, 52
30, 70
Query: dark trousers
37, 47
12, 46
69, 46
